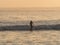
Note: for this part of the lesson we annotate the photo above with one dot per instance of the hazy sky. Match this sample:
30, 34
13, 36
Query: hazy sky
29, 3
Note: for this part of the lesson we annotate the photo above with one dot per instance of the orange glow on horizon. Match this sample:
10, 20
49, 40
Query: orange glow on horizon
29, 3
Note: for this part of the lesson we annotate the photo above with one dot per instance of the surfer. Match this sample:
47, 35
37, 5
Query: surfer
31, 25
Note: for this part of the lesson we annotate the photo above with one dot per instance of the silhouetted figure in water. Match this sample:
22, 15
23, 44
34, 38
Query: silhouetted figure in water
31, 26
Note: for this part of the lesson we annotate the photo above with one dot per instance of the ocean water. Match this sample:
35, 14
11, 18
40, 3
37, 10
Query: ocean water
23, 17
30, 38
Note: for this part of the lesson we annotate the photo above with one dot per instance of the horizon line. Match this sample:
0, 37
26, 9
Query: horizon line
31, 8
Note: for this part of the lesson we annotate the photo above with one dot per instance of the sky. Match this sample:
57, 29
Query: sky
29, 3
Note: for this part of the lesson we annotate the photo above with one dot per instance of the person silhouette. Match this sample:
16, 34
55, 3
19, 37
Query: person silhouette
31, 25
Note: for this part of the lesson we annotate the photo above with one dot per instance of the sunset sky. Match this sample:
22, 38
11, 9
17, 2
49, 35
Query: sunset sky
29, 3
